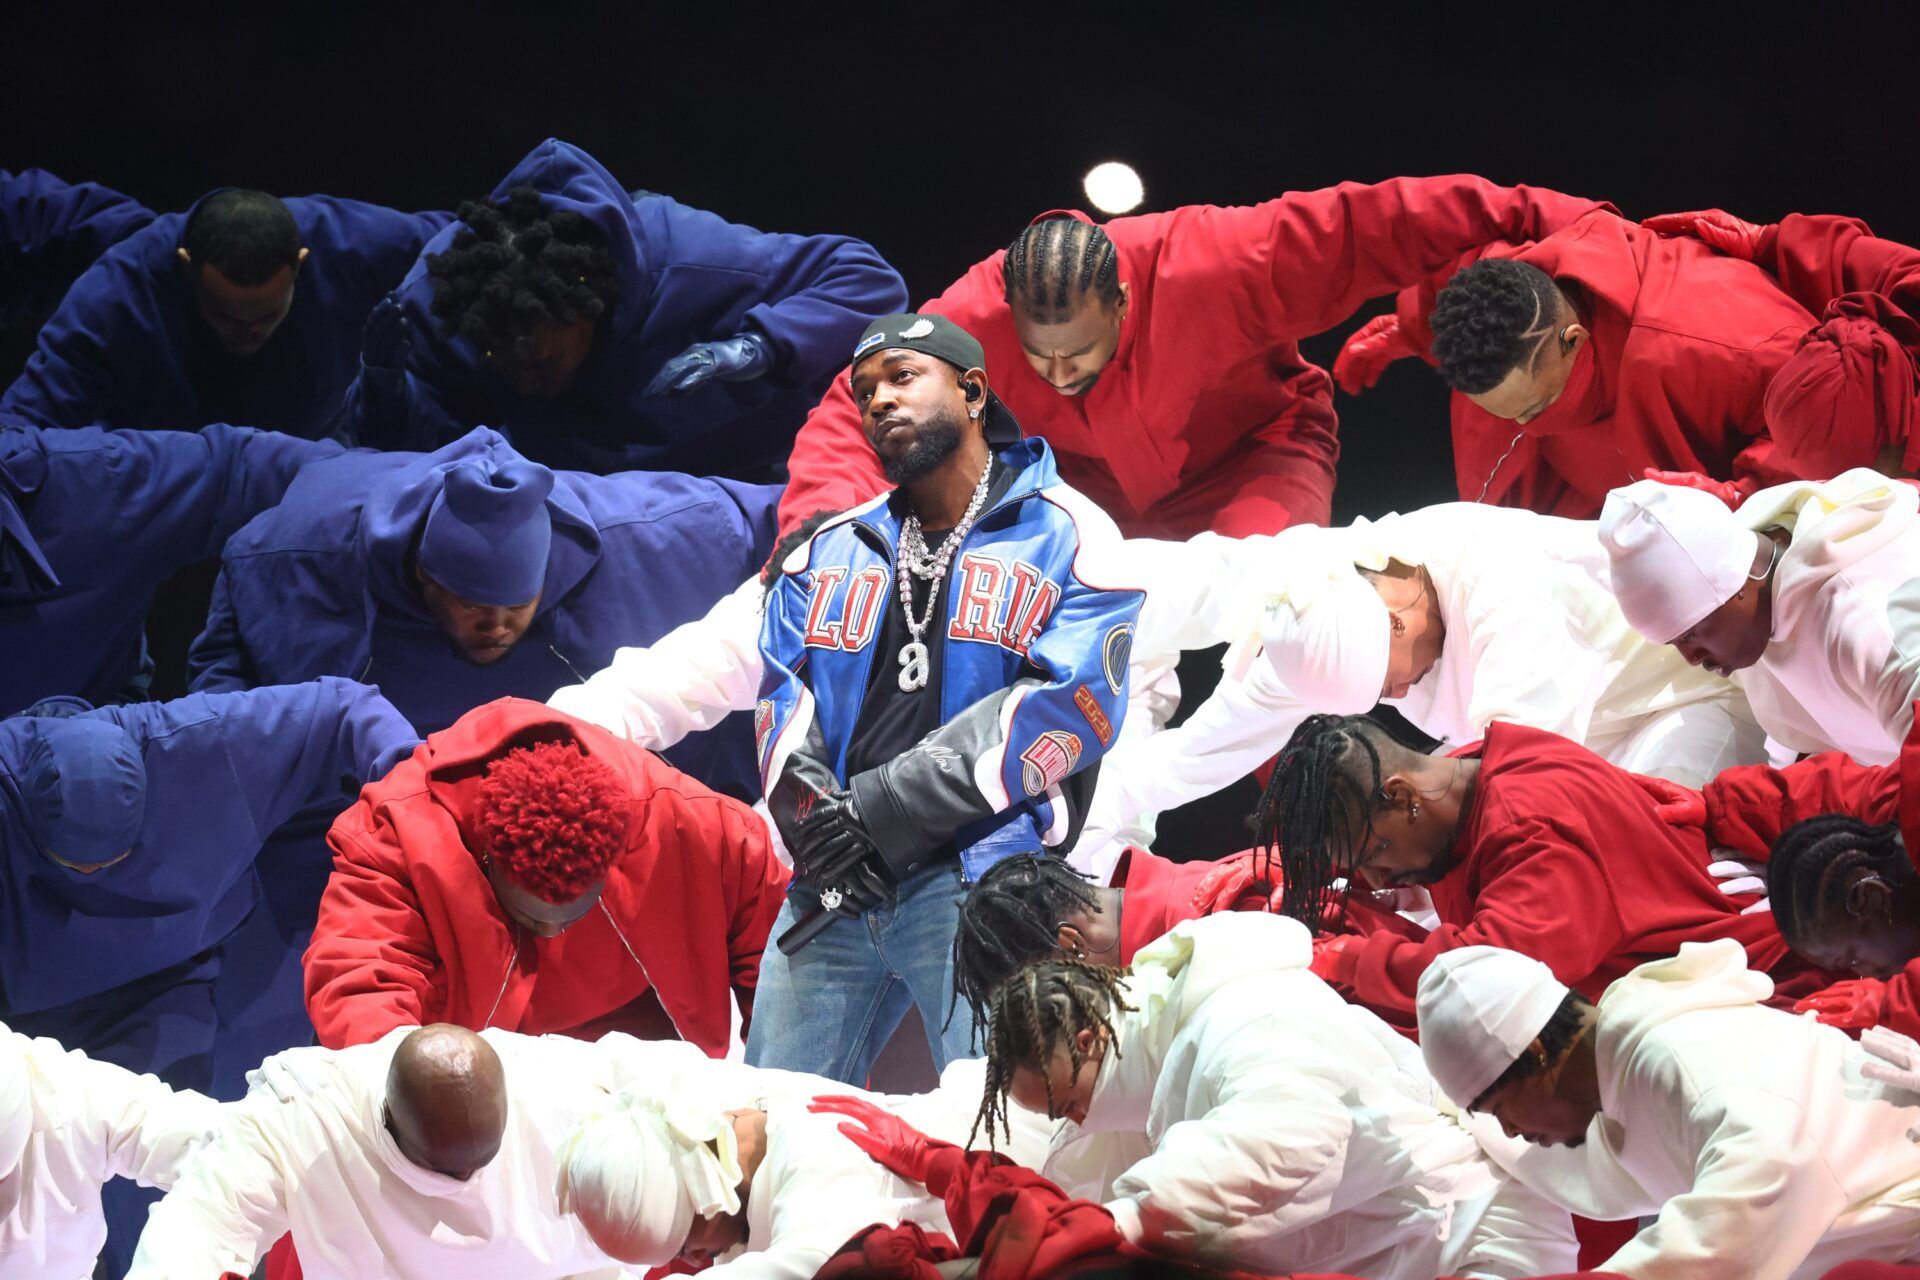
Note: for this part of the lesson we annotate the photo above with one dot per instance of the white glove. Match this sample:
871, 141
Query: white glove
1898, 1062
1738, 876
291, 1074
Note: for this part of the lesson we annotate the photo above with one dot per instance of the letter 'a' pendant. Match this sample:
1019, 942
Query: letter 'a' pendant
914, 666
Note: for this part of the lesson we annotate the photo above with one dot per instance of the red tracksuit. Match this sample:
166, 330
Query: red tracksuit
1562, 856
410, 931
1749, 807
1684, 343
1207, 417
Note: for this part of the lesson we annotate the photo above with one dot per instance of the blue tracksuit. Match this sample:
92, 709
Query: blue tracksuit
161, 962
92, 521
128, 349
323, 584
51, 231
684, 276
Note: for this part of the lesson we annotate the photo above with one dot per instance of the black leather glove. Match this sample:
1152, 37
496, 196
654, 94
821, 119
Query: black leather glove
837, 856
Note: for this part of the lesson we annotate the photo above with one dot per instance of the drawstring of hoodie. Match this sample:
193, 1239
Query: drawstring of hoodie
506, 974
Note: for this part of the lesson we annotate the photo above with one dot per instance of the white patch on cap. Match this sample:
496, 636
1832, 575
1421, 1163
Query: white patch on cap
868, 343
918, 329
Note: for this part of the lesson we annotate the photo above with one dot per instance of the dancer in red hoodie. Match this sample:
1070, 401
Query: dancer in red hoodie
1582, 361
528, 871
1156, 354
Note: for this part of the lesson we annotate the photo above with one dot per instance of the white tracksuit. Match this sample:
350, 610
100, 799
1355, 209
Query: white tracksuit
1749, 1131
1843, 667
1252, 1117
1533, 636
82, 1123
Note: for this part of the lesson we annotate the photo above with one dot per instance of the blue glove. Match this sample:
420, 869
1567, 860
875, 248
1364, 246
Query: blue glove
741, 358
387, 337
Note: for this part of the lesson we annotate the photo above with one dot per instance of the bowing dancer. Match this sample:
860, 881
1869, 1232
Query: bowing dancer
68, 1124
1156, 354
1457, 616
1584, 358
605, 331
426, 1154
1761, 1144
135, 869
51, 231
527, 871
92, 522
764, 1188
1523, 840
470, 573
1805, 596
1033, 907
1838, 838
246, 308
933, 699
1229, 1108
1006, 1221
1850, 395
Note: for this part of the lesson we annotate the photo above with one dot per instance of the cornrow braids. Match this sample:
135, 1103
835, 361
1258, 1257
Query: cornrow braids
517, 267
1327, 777
1010, 918
1494, 316
1036, 1012
1053, 265
1809, 855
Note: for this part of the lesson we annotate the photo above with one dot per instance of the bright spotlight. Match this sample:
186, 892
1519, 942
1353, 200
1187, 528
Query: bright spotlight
1114, 187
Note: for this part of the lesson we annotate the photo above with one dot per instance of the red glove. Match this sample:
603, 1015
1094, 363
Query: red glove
1336, 957
1246, 881
1731, 492
1853, 1005
1673, 804
1366, 355
894, 1144
1715, 228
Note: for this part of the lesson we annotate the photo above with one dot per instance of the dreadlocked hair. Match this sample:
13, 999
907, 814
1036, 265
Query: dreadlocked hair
1491, 319
1052, 265
1811, 855
1327, 776
1009, 919
519, 266
1038, 1010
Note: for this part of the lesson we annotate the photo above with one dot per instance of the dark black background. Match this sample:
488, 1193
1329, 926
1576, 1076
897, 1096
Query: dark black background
936, 131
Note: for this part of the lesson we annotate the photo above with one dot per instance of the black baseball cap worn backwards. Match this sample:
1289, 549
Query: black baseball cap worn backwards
939, 337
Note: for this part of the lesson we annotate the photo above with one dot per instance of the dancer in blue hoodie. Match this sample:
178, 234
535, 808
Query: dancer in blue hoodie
130, 845
245, 308
51, 231
603, 331
92, 521
469, 574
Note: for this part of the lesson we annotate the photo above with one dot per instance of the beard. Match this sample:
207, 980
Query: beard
933, 444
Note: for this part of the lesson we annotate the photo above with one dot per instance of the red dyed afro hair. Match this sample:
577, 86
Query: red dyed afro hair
554, 819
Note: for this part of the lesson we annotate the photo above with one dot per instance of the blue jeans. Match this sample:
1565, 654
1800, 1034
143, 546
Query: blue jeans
830, 1008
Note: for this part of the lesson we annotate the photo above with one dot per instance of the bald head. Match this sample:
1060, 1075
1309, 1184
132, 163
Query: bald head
447, 1100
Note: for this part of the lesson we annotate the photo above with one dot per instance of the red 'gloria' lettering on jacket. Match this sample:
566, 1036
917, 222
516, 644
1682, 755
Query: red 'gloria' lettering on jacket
859, 611
983, 585
993, 602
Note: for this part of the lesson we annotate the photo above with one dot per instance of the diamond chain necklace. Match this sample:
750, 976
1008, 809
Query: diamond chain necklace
915, 560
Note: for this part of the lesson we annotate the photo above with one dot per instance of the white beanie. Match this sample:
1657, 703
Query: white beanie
638, 1174
1478, 1009
1327, 634
1677, 555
